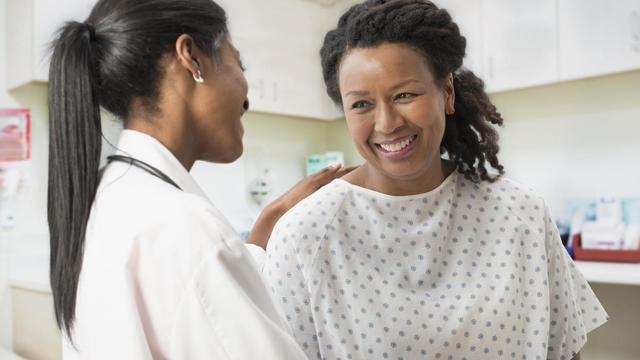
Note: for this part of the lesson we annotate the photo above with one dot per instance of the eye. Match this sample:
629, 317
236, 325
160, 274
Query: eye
359, 104
405, 95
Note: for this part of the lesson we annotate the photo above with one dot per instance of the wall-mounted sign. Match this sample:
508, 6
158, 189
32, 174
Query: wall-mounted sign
15, 134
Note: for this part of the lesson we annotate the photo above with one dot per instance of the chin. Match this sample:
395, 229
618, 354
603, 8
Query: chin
225, 156
405, 171
233, 156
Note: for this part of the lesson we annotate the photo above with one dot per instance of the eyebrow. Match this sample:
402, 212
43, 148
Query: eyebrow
356, 92
393, 88
402, 84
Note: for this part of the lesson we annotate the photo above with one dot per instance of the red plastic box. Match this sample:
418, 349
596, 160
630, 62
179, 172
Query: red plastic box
580, 253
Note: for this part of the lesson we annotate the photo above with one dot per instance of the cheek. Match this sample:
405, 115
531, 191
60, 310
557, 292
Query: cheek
237, 80
429, 117
244, 85
359, 128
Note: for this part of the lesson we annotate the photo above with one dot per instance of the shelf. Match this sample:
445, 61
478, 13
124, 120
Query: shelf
610, 273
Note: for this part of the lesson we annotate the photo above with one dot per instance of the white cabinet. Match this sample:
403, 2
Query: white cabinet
519, 38
31, 26
511, 44
281, 51
467, 14
598, 37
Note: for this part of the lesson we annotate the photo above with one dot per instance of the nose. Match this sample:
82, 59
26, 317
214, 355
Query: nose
388, 120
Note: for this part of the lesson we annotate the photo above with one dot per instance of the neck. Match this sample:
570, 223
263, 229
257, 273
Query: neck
373, 179
174, 138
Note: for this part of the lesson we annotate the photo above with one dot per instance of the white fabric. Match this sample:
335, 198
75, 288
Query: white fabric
165, 276
466, 271
257, 253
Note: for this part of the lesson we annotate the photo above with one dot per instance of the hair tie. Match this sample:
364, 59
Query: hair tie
92, 31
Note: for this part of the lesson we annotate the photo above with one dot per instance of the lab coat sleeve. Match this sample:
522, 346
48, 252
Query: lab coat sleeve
225, 311
574, 309
257, 253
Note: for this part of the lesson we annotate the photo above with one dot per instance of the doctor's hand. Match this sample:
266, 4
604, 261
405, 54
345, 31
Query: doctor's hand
271, 214
308, 186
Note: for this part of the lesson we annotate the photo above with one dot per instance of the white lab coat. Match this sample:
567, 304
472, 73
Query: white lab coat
164, 275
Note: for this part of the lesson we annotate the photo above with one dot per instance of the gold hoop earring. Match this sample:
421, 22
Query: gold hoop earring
198, 78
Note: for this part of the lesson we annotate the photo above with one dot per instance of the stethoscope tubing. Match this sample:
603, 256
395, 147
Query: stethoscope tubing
144, 166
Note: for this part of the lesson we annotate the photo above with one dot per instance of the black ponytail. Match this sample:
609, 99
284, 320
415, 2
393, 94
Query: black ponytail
110, 60
74, 158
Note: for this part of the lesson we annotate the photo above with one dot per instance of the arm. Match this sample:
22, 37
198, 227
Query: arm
225, 311
271, 214
577, 357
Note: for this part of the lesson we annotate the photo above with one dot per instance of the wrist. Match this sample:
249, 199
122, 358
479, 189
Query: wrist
276, 208
266, 221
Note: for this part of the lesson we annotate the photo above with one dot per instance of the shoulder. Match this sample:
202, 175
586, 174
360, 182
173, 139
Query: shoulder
506, 196
154, 213
304, 226
322, 206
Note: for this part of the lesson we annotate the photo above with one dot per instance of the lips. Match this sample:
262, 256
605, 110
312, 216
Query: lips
396, 148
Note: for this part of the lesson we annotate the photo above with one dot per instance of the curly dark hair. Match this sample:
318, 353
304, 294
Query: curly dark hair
470, 139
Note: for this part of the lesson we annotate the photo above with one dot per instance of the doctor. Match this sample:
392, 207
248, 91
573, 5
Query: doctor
142, 263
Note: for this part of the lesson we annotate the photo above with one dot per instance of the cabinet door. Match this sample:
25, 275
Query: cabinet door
519, 43
467, 14
48, 18
598, 37
281, 54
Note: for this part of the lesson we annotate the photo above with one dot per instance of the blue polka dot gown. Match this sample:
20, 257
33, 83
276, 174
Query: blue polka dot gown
466, 271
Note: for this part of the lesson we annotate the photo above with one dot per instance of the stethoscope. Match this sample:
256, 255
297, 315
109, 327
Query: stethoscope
144, 166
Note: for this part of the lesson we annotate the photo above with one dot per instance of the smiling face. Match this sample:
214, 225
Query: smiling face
395, 112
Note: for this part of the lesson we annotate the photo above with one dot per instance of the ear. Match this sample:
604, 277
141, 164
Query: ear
187, 54
449, 95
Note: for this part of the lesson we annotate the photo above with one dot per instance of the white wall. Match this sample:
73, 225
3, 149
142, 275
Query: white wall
574, 139
31, 226
5, 320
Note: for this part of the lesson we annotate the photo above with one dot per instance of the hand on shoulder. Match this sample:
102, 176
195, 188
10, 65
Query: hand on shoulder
271, 214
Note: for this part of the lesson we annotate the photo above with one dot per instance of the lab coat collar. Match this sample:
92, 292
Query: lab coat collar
148, 149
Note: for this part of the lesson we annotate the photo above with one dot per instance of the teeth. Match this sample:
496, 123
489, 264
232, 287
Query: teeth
397, 146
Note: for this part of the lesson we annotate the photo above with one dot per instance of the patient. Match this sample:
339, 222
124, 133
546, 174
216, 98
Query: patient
426, 250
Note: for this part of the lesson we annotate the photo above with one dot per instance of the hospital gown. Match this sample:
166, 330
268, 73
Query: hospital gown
465, 271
